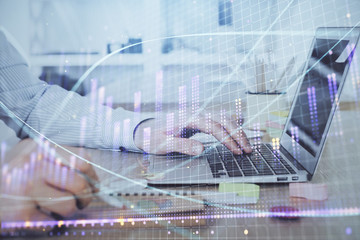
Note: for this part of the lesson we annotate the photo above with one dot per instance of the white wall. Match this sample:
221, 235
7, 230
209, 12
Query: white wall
88, 25
14, 16
305, 16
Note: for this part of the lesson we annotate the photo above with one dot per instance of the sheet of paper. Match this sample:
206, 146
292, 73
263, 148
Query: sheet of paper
309, 191
226, 198
242, 189
283, 114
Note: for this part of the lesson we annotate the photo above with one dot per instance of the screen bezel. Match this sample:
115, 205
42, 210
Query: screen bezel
351, 34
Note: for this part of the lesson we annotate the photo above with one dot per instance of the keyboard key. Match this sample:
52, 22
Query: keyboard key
245, 164
229, 161
218, 174
231, 165
292, 171
234, 173
228, 157
240, 157
275, 165
269, 146
255, 157
216, 167
263, 148
250, 172
258, 161
272, 158
213, 159
265, 170
232, 169
225, 154
221, 148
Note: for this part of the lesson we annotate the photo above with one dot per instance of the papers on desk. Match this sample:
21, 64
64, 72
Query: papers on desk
246, 193
154, 202
308, 191
163, 201
135, 197
276, 123
241, 189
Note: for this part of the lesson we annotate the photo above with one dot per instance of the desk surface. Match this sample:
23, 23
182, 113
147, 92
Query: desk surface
335, 218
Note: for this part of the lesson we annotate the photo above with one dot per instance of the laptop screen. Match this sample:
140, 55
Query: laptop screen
317, 95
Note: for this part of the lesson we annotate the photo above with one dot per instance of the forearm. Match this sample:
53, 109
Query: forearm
68, 118
64, 117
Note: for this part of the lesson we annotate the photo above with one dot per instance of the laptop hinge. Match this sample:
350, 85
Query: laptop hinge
291, 159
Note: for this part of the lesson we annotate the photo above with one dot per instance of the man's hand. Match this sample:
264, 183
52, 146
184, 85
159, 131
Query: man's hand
44, 179
170, 135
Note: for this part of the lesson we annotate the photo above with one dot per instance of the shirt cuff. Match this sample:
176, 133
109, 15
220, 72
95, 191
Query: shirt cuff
119, 133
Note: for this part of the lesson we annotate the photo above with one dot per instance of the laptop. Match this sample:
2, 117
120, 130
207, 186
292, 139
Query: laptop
297, 155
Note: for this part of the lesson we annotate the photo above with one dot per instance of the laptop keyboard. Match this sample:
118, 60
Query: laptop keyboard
262, 161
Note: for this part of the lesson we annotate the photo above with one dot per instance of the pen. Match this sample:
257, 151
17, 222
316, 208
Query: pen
56, 229
48, 213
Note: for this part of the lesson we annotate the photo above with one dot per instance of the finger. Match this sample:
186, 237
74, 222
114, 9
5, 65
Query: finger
85, 168
243, 141
237, 134
161, 144
54, 200
220, 133
21, 210
187, 146
73, 182
71, 160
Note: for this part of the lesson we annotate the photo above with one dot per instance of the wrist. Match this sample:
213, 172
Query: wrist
139, 131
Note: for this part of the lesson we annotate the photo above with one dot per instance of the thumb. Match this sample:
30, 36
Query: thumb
188, 146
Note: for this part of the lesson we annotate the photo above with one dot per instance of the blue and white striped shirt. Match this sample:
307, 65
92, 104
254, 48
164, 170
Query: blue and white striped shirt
64, 117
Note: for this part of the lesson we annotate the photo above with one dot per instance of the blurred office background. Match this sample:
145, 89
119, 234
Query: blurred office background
215, 42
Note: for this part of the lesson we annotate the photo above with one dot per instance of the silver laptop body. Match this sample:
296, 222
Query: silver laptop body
303, 137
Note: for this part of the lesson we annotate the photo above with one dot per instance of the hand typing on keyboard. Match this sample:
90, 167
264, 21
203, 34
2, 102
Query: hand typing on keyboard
171, 134
262, 161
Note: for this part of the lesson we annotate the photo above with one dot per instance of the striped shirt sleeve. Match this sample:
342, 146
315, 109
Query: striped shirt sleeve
63, 116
